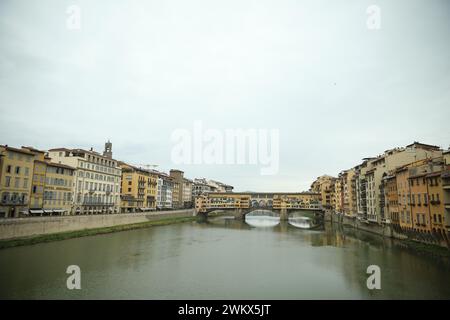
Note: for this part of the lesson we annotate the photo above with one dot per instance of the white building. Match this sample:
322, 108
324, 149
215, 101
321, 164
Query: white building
202, 186
97, 181
187, 193
164, 191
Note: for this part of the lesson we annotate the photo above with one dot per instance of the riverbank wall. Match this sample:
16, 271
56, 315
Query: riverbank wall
387, 230
16, 228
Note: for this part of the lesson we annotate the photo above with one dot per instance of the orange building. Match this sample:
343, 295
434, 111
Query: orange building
419, 203
404, 198
436, 204
391, 198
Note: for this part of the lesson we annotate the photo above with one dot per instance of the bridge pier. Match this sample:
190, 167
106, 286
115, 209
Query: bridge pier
284, 214
239, 214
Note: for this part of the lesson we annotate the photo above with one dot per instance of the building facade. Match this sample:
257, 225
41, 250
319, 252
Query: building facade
164, 191
138, 190
16, 167
97, 180
187, 193
325, 186
379, 167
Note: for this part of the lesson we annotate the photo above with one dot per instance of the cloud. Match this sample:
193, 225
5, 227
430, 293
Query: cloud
136, 72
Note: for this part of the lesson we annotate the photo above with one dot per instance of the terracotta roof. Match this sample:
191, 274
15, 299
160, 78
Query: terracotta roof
418, 175
54, 164
59, 149
33, 149
415, 143
18, 150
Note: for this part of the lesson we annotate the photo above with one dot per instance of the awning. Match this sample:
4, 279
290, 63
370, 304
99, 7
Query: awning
24, 212
36, 211
59, 211
48, 211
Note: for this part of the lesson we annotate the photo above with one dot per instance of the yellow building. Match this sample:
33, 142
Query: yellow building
58, 189
176, 194
138, 189
16, 167
391, 196
301, 200
222, 201
435, 199
258, 200
38, 179
338, 196
51, 186
325, 186
445, 176
348, 192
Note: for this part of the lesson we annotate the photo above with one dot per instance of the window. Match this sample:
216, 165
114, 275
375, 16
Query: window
5, 196
8, 169
17, 170
7, 181
25, 183
17, 183
27, 171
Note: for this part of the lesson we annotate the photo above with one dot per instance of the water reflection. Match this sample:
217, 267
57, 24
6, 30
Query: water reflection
205, 261
301, 222
262, 219
304, 219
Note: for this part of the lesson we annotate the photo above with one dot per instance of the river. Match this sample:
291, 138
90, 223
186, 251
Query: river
223, 258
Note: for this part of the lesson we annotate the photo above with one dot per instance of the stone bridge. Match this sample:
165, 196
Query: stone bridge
240, 204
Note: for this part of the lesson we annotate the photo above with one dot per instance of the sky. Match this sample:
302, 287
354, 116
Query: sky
135, 72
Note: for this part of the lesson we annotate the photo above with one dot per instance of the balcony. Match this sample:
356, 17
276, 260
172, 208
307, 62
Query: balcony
13, 202
94, 203
446, 179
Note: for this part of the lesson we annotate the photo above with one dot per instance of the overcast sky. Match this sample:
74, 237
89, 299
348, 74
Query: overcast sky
138, 70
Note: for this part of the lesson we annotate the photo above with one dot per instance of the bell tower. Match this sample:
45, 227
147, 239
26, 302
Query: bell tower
108, 150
